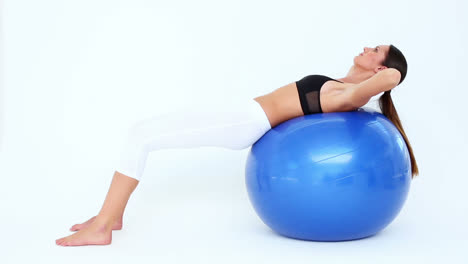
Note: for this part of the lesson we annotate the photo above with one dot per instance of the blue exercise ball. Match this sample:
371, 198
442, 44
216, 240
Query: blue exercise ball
329, 176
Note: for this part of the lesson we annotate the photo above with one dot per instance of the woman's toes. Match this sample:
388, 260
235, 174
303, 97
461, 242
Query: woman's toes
61, 241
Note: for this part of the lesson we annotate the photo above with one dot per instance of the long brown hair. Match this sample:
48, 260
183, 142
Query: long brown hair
395, 59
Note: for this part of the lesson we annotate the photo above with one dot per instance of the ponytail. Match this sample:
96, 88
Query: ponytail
389, 111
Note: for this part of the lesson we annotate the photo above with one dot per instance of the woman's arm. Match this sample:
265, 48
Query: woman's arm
382, 81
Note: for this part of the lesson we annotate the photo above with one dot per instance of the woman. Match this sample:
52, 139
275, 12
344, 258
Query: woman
376, 70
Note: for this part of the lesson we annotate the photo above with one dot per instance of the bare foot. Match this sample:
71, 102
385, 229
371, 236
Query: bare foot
117, 225
96, 233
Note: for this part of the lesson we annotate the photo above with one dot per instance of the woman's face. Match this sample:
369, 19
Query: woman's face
372, 58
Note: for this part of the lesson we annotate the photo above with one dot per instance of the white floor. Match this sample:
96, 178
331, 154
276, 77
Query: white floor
184, 216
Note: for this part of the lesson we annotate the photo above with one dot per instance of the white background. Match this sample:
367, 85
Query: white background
76, 74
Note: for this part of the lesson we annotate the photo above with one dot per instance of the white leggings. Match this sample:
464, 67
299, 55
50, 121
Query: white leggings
236, 125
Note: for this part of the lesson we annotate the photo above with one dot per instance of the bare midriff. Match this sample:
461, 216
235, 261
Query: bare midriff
283, 103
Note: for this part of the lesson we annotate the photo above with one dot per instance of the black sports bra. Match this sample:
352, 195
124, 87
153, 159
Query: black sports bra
309, 92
